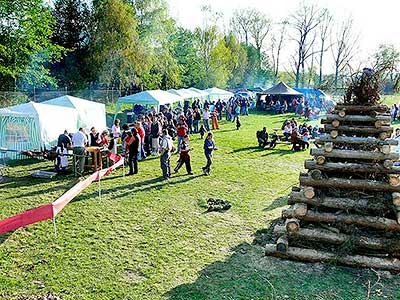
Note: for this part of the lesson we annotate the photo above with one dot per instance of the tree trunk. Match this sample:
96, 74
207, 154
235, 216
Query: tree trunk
341, 203
282, 244
362, 108
354, 154
326, 236
356, 184
310, 255
355, 140
356, 118
359, 129
311, 164
348, 219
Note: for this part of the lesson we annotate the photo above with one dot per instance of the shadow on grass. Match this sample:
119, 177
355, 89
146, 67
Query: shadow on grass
280, 152
4, 236
248, 274
277, 203
142, 186
250, 149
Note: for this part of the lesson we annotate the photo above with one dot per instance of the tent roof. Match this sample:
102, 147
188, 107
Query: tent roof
32, 109
181, 93
200, 93
153, 97
90, 113
282, 89
218, 92
73, 102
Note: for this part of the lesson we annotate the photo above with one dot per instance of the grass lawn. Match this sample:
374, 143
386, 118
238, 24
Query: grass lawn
150, 239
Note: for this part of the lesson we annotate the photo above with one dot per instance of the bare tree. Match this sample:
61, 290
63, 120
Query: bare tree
241, 23
277, 42
324, 34
305, 21
344, 47
260, 26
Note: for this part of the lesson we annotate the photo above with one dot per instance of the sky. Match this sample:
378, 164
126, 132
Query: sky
377, 21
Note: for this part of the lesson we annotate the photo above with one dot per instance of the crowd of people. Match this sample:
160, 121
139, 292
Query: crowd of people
299, 135
154, 134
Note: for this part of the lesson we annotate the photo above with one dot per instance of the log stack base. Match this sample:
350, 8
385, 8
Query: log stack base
347, 207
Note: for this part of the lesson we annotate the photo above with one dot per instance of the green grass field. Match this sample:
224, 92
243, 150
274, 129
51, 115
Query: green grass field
150, 239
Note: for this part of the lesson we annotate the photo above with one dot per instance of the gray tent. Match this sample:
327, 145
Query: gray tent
282, 89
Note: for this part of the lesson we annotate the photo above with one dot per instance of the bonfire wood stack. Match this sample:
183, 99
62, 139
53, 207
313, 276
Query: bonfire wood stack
347, 208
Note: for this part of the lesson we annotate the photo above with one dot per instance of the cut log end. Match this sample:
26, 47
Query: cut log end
282, 244
385, 149
394, 180
292, 225
336, 123
320, 160
334, 133
309, 192
328, 147
396, 199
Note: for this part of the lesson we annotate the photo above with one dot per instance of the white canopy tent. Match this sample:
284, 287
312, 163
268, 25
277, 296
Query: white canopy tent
34, 126
181, 93
153, 97
200, 93
90, 113
216, 93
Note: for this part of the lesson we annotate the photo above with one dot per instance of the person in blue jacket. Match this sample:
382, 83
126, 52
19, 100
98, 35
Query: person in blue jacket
209, 147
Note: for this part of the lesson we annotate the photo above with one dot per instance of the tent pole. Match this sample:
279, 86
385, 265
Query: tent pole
55, 227
99, 185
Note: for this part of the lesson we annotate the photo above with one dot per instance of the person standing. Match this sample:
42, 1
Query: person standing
116, 130
206, 119
165, 151
214, 119
181, 132
79, 141
63, 143
196, 119
209, 147
132, 142
184, 157
155, 131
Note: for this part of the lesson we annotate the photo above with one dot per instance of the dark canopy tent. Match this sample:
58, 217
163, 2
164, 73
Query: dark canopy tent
280, 92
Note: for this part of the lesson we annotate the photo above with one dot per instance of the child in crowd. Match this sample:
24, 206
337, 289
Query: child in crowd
306, 138
238, 123
202, 131
209, 147
184, 157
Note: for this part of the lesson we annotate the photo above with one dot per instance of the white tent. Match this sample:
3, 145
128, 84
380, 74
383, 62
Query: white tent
216, 93
200, 93
153, 97
181, 93
90, 113
34, 125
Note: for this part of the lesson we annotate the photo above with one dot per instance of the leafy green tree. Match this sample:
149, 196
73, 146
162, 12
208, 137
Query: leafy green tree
238, 62
72, 19
26, 48
114, 48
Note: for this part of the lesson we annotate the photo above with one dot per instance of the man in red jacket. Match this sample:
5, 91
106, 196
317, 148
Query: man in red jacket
181, 132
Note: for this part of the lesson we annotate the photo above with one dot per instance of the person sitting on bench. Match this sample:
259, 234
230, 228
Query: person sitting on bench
262, 137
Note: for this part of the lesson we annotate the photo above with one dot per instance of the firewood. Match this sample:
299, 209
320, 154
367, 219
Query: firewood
354, 154
342, 183
329, 118
309, 192
320, 159
328, 147
282, 244
334, 133
394, 180
316, 174
292, 225
355, 140
362, 108
341, 203
366, 221
311, 255
311, 164
300, 209
385, 149
342, 113
388, 164
360, 129
335, 123
327, 236
396, 199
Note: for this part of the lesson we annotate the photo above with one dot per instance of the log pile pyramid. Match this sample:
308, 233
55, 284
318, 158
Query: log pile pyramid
347, 208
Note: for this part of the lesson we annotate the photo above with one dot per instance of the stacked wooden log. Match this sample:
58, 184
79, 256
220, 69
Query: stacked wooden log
347, 208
